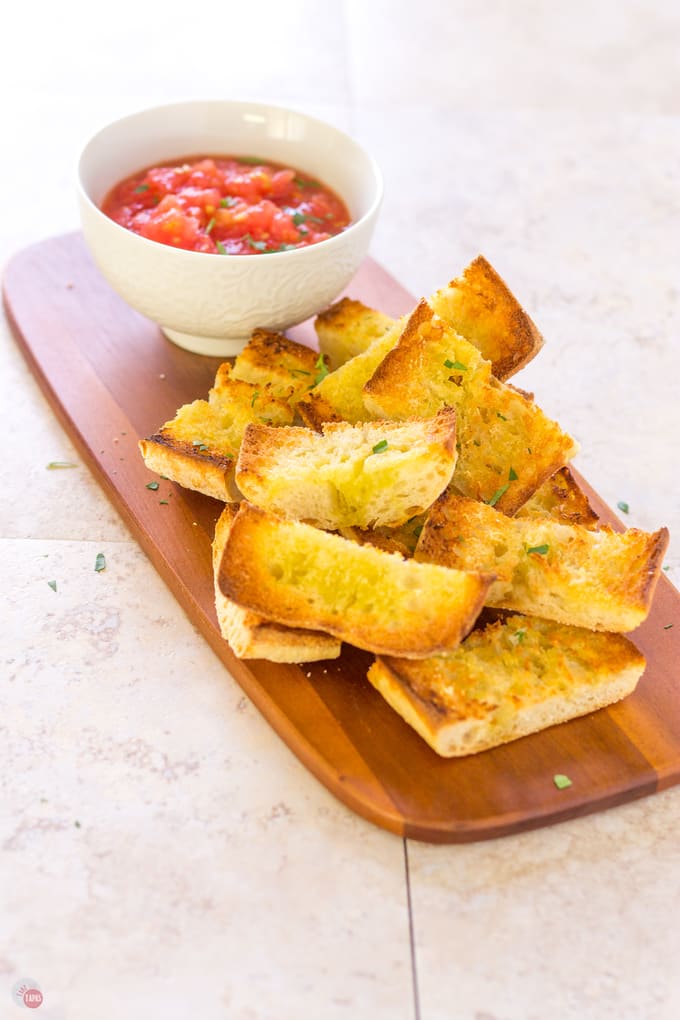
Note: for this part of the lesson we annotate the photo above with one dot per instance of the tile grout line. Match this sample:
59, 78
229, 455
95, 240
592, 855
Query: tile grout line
411, 934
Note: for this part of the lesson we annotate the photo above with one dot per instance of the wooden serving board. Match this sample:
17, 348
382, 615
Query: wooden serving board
111, 375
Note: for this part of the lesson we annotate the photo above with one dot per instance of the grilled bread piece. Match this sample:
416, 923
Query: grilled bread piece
252, 637
478, 304
602, 580
507, 446
338, 397
347, 328
199, 447
510, 679
561, 498
297, 575
376, 473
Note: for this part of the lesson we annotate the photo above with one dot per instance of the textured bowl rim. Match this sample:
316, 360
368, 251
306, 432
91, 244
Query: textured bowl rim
368, 215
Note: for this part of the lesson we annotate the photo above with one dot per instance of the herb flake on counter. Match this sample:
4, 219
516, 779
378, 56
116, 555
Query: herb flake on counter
100, 563
57, 465
623, 507
380, 447
52, 585
562, 782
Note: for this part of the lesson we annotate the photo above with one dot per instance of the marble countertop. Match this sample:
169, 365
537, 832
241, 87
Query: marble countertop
163, 853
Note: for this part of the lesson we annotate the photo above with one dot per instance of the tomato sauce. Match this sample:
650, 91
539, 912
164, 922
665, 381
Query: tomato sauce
228, 205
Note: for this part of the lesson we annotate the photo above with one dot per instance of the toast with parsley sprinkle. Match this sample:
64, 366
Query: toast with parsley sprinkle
251, 636
512, 678
364, 475
478, 304
507, 446
199, 446
602, 580
294, 574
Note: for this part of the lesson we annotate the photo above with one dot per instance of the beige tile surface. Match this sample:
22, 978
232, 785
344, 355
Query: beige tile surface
209, 875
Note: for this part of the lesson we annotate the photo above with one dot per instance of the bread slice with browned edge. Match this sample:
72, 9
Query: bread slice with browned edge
347, 328
513, 678
199, 446
252, 637
338, 397
507, 445
603, 580
364, 475
561, 498
478, 304
292, 573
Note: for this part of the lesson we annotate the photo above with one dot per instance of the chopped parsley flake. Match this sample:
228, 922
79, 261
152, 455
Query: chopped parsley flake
254, 398
520, 636
228, 202
623, 507
562, 782
458, 365
513, 476
497, 494
540, 549
321, 371
100, 563
200, 446
380, 447
210, 225
220, 247
501, 416
52, 585
140, 188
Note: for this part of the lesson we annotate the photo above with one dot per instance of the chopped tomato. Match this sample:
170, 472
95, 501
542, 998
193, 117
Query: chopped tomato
230, 205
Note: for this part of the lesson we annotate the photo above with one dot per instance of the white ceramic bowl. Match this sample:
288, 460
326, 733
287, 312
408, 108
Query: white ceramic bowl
210, 303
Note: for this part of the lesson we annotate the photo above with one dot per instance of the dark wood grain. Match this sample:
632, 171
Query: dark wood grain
111, 375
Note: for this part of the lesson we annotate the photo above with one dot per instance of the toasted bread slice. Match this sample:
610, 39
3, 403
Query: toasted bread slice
561, 498
348, 328
199, 446
290, 369
480, 306
602, 580
364, 475
402, 539
252, 637
297, 575
338, 397
511, 679
507, 446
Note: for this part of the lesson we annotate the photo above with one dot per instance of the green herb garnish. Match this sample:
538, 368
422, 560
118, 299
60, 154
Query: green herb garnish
55, 465
302, 183
520, 635
152, 485
540, 549
458, 365
255, 396
562, 782
199, 444
220, 247
257, 245
298, 371
513, 476
140, 188
321, 371
52, 585
623, 507
251, 160
210, 224
501, 416
163, 502
497, 494
380, 447
100, 563
228, 202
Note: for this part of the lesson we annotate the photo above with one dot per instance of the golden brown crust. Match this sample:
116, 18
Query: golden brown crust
250, 635
507, 446
561, 498
602, 580
294, 574
348, 328
480, 306
363, 475
510, 679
